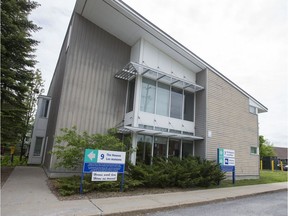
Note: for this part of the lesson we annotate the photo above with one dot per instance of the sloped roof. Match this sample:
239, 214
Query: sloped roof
281, 153
120, 20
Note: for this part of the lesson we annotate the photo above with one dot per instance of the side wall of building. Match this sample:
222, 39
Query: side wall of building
92, 98
231, 124
200, 114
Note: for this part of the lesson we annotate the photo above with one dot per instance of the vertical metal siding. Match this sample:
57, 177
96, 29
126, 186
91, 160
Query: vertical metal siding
92, 99
200, 114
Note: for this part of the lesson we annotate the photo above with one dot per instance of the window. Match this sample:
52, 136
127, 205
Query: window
188, 106
44, 108
131, 91
171, 101
148, 95
252, 109
160, 147
163, 96
174, 148
176, 103
144, 149
38, 146
253, 150
187, 149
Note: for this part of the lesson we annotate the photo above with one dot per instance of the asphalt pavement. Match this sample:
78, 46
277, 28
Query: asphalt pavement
26, 193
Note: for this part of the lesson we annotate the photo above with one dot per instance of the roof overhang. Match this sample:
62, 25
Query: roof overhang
132, 69
129, 129
120, 20
123, 22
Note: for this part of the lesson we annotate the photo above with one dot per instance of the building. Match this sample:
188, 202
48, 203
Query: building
117, 69
281, 154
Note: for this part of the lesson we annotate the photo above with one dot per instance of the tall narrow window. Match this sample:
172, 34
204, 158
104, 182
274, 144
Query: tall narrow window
44, 108
130, 99
163, 95
38, 146
176, 103
148, 95
188, 106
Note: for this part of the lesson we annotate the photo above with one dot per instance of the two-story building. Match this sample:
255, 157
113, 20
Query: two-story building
117, 69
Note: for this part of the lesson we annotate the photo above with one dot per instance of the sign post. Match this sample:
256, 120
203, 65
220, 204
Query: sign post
104, 165
226, 160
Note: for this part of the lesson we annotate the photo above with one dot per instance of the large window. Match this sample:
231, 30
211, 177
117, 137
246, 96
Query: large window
144, 149
176, 103
160, 147
170, 101
130, 99
187, 149
148, 95
163, 97
38, 146
44, 108
188, 106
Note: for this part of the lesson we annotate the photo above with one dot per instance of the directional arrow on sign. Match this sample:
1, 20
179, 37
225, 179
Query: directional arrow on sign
91, 155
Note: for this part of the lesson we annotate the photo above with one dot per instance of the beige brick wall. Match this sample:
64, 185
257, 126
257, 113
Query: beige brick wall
231, 124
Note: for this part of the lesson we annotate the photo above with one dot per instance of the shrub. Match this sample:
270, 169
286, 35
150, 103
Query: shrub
71, 145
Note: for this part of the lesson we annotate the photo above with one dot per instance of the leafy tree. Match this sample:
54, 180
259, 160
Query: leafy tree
17, 67
266, 148
71, 145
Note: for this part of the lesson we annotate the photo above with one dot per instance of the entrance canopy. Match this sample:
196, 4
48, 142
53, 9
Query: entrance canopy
132, 69
129, 129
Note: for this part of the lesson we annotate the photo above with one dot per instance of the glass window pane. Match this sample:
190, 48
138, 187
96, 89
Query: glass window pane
130, 99
188, 106
160, 147
148, 95
44, 108
163, 95
174, 148
187, 149
176, 103
144, 149
38, 146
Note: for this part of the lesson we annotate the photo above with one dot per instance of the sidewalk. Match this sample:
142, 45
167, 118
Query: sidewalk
26, 193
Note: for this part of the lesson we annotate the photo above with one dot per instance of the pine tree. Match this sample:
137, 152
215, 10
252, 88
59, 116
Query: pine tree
17, 67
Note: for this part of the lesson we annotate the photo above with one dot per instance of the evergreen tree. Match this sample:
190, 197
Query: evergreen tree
17, 67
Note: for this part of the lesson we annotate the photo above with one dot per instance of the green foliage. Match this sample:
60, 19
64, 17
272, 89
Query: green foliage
187, 173
266, 148
17, 67
6, 161
71, 145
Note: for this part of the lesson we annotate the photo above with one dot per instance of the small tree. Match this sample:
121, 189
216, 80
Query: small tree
266, 148
71, 145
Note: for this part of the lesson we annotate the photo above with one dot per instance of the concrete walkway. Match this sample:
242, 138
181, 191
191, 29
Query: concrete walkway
26, 193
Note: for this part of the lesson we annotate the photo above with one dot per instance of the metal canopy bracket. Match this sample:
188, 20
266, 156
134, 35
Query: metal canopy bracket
129, 129
132, 69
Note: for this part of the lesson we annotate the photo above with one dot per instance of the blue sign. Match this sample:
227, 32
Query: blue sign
103, 167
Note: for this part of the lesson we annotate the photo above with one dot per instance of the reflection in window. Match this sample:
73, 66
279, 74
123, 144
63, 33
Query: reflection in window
144, 149
174, 148
163, 95
160, 147
188, 106
38, 146
176, 103
44, 108
187, 149
148, 95
130, 100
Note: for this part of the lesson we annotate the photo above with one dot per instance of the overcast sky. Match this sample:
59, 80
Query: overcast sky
246, 40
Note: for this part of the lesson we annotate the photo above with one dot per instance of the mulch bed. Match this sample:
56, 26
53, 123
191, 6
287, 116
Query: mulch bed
99, 195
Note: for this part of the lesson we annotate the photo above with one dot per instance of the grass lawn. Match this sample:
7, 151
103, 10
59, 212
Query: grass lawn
266, 177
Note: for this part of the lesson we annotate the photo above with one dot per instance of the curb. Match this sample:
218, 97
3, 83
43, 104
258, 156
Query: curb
173, 207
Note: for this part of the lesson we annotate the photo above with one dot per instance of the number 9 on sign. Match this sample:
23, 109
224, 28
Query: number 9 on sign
102, 156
